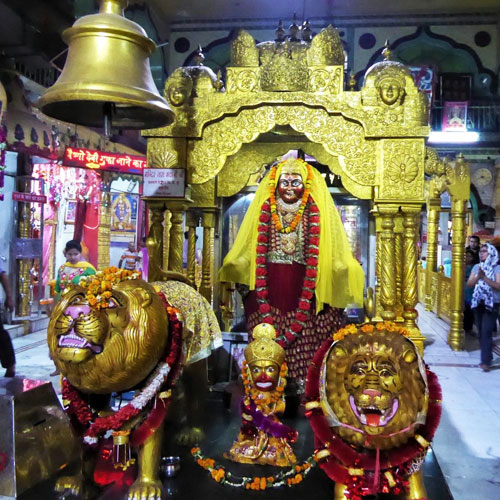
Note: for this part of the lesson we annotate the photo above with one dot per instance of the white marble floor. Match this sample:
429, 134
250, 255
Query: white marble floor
467, 443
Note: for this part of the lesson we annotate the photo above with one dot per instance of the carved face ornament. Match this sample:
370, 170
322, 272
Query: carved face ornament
390, 91
290, 187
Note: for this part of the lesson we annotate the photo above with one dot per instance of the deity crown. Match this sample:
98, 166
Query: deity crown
264, 347
291, 166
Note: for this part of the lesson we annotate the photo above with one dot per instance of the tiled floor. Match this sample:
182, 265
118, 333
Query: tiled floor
466, 445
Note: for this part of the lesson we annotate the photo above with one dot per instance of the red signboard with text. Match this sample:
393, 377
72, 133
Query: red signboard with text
100, 160
29, 197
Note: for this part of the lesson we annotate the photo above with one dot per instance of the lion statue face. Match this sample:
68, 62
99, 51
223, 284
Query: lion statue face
375, 389
113, 349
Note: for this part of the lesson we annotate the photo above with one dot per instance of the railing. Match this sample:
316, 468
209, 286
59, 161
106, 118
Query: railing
43, 76
440, 291
479, 118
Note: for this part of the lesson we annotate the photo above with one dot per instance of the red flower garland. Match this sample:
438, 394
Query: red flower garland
312, 251
96, 426
342, 456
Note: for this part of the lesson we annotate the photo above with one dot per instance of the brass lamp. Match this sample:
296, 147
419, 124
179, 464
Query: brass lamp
107, 80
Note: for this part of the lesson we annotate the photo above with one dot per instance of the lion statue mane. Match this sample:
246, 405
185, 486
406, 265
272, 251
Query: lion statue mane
117, 338
375, 407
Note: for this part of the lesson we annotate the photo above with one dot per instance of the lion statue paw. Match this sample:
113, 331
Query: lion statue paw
75, 485
145, 490
189, 436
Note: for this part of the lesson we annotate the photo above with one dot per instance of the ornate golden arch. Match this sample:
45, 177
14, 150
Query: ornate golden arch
282, 93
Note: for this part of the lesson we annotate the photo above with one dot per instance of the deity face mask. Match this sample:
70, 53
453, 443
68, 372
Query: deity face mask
290, 187
265, 375
390, 92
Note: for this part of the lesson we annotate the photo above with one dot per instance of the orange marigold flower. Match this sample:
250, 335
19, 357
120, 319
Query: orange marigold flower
367, 328
263, 483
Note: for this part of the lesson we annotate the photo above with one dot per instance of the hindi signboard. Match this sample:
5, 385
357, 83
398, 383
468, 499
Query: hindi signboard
29, 197
164, 182
100, 160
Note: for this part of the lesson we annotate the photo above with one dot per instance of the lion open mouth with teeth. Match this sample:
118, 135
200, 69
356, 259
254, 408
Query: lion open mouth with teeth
375, 389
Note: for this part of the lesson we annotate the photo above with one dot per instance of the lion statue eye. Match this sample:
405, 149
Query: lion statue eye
358, 369
385, 373
113, 302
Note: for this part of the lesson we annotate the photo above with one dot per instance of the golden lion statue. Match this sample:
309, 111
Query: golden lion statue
115, 333
374, 407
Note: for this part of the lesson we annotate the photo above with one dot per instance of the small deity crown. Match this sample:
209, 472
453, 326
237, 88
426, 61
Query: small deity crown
264, 347
292, 166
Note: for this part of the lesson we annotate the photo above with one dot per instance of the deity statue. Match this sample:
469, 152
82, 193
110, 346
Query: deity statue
263, 439
292, 262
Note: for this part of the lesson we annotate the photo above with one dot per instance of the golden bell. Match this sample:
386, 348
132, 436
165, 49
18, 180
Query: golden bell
107, 75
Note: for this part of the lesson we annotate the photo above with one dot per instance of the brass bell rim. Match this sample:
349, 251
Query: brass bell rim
128, 30
56, 103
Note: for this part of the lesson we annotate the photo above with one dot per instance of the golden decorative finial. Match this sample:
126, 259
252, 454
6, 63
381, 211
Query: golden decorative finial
293, 29
199, 57
219, 84
386, 52
280, 32
351, 84
306, 31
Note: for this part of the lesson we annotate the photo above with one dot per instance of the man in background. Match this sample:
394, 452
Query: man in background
474, 244
130, 258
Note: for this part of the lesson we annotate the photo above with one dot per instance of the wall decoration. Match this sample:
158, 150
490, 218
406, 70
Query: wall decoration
454, 116
70, 215
123, 212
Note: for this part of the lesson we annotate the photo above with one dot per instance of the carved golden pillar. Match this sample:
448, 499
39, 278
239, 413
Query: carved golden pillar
388, 294
154, 241
456, 336
378, 269
208, 222
104, 231
167, 225
192, 221
411, 215
23, 267
176, 243
399, 252
433, 209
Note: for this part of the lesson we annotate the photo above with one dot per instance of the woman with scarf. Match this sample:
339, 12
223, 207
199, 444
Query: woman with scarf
485, 278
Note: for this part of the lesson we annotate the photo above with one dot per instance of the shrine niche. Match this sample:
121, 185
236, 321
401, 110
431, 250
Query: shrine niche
291, 92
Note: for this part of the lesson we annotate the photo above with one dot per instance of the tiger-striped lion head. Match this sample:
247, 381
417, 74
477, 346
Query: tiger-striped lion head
110, 349
376, 389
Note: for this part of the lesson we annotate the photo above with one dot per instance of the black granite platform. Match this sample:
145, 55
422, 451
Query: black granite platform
222, 425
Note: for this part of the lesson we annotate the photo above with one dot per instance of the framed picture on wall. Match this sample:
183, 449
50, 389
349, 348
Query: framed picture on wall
454, 116
70, 215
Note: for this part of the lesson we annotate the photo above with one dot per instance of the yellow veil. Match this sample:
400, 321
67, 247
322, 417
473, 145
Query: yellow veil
340, 279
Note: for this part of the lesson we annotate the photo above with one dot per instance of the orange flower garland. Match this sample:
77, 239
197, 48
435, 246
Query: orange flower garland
370, 328
99, 286
218, 473
272, 197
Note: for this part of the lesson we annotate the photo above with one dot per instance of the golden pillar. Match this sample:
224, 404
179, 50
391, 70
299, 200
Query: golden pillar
378, 268
24, 265
456, 336
433, 209
388, 294
208, 222
399, 252
176, 241
104, 231
411, 214
192, 222
154, 241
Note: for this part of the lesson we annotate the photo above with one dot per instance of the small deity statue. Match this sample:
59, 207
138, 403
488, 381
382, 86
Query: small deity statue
292, 263
263, 439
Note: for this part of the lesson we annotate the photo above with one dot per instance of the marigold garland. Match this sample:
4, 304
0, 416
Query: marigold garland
289, 478
99, 286
353, 329
272, 197
309, 285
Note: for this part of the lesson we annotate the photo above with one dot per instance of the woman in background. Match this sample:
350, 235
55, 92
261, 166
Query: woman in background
485, 278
